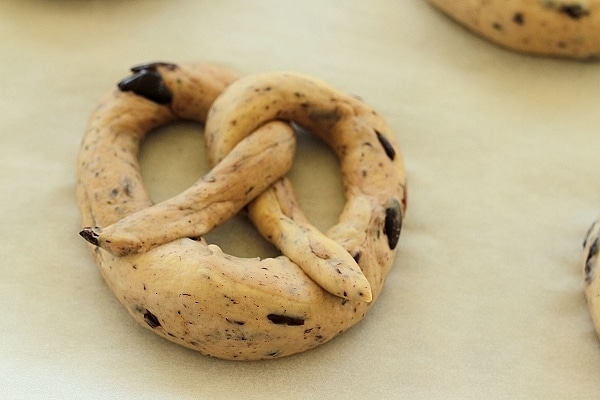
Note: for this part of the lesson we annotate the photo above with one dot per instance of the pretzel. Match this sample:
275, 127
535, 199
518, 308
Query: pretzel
153, 256
559, 28
591, 247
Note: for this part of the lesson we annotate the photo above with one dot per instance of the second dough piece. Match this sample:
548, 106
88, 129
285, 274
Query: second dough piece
555, 28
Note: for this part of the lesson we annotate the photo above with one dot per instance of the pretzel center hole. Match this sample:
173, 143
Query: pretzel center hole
173, 157
317, 180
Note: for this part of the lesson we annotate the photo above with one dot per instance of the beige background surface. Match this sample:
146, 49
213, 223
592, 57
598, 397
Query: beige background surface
485, 299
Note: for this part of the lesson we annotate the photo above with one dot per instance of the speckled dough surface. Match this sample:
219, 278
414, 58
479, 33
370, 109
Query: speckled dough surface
563, 28
591, 247
154, 258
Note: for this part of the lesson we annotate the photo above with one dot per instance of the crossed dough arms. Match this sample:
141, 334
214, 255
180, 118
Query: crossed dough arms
153, 256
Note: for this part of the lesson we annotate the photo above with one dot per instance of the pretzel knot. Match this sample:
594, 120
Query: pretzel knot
153, 256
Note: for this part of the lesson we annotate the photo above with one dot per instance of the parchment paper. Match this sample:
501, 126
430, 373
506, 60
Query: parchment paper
486, 296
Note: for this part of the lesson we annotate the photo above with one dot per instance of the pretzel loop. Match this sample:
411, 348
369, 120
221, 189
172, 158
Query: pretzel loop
153, 257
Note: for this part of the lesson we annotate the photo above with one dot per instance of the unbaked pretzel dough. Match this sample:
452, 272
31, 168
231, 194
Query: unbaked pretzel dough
561, 28
154, 258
